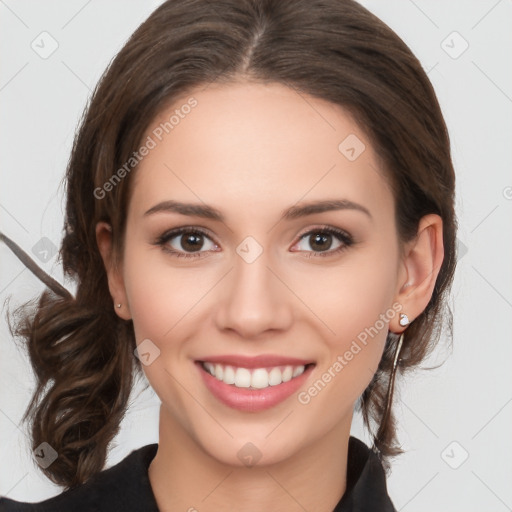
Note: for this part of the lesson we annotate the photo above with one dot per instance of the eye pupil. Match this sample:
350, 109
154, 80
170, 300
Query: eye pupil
321, 238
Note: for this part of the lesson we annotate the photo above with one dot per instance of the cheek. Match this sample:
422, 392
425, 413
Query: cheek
161, 304
351, 297
354, 304
159, 297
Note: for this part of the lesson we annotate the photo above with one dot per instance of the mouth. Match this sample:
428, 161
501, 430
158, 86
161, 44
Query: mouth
254, 378
253, 384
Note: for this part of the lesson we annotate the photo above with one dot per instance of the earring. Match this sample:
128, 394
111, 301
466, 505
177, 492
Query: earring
119, 305
391, 385
404, 320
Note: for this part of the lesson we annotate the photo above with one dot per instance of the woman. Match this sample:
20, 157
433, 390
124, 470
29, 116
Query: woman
260, 217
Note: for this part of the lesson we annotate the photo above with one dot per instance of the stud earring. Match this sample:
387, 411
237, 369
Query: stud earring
404, 320
119, 305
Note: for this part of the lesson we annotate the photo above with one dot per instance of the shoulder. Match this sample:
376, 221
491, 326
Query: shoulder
124, 486
366, 481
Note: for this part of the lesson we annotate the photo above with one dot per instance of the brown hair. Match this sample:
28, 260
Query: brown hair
336, 50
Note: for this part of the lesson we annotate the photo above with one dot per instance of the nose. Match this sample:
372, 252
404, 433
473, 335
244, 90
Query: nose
254, 299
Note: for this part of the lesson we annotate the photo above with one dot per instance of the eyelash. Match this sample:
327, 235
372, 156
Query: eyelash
342, 236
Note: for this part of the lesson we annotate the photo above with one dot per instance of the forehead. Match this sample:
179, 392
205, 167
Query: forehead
256, 145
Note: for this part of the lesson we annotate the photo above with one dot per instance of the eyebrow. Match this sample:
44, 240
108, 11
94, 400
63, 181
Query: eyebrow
294, 212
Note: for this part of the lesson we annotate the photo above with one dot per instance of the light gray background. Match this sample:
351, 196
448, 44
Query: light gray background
467, 401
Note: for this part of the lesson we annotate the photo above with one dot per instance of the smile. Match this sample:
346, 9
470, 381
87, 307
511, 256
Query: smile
255, 378
253, 384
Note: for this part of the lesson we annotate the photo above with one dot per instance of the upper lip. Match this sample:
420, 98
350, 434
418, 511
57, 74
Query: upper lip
261, 361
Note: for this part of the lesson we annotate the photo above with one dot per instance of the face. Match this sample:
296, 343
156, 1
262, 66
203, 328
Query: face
253, 280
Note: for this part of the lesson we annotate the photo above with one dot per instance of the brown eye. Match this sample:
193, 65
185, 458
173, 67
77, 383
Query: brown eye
320, 242
184, 242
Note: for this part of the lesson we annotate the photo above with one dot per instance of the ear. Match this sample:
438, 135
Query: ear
114, 273
419, 268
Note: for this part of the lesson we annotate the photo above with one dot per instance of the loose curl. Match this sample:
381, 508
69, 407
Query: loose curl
335, 50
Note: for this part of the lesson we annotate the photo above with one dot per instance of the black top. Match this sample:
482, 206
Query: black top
125, 487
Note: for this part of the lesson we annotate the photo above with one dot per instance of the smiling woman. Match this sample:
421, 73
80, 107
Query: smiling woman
273, 260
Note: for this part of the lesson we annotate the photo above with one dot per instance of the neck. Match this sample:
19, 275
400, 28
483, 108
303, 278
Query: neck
185, 477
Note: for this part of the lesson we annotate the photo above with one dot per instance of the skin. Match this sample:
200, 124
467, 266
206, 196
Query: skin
251, 151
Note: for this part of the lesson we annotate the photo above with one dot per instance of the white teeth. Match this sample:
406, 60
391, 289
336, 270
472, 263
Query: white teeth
242, 378
219, 371
274, 377
229, 375
258, 378
298, 370
287, 374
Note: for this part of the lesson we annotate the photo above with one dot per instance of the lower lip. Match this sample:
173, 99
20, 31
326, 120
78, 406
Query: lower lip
252, 400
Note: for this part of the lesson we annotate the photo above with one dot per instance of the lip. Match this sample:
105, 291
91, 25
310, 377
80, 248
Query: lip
253, 400
261, 361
